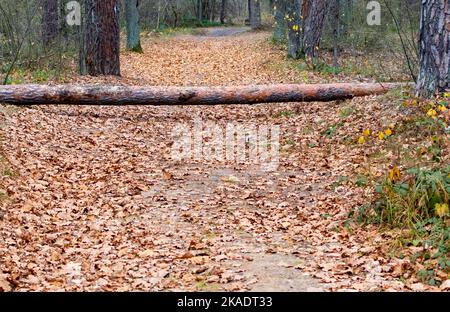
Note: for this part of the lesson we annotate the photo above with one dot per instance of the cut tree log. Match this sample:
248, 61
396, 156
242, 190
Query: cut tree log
135, 95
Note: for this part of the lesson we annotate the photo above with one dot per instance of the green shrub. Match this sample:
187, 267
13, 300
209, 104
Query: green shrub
421, 206
42, 75
415, 200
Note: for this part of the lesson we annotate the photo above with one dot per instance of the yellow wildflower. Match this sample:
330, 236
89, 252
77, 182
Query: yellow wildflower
441, 209
394, 174
361, 140
432, 113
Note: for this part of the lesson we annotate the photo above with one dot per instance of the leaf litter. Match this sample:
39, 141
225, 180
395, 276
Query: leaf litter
97, 203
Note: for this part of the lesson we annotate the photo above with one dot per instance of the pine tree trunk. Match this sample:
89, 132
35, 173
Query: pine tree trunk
133, 29
294, 25
102, 38
50, 20
313, 12
136, 95
279, 13
434, 73
255, 14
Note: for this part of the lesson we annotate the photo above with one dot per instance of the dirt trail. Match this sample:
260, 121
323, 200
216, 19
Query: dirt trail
225, 31
98, 203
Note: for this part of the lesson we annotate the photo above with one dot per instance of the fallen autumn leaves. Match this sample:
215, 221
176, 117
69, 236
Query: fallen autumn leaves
96, 202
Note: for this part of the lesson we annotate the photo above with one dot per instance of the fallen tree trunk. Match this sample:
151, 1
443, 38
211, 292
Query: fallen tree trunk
127, 95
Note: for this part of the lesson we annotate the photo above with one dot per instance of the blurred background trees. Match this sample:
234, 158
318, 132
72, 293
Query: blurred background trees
34, 34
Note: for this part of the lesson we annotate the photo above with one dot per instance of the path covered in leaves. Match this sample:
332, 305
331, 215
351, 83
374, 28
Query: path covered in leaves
96, 202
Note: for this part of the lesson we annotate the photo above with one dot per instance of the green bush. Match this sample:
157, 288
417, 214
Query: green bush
420, 198
419, 205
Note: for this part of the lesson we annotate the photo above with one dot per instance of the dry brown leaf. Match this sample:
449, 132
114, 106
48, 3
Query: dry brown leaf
5, 286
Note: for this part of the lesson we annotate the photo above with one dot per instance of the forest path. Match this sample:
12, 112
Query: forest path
224, 31
98, 202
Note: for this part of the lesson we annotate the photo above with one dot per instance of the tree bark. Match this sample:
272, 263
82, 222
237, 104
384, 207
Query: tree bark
255, 13
294, 25
125, 95
434, 73
102, 38
133, 28
313, 12
50, 20
279, 13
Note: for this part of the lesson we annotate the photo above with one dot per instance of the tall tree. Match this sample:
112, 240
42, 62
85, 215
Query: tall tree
434, 73
294, 24
133, 28
279, 13
102, 38
313, 12
50, 20
255, 13
305, 20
